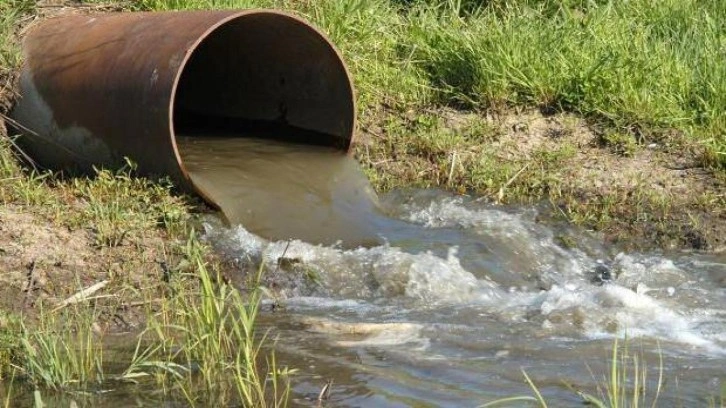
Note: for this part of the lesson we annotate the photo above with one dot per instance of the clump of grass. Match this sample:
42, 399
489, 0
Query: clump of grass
10, 13
425, 151
204, 347
370, 35
116, 205
231, 348
200, 343
9, 324
61, 351
626, 384
620, 143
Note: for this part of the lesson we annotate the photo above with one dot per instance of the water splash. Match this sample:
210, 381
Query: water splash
645, 296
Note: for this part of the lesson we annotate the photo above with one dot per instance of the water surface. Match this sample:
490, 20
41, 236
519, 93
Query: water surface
423, 298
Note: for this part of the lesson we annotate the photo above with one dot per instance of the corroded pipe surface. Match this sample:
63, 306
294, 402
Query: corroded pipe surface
96, 89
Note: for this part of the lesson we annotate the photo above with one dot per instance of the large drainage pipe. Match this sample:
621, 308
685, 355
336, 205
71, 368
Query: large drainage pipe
96, 89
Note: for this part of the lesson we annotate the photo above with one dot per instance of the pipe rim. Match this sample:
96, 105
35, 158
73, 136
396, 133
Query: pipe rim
209, 31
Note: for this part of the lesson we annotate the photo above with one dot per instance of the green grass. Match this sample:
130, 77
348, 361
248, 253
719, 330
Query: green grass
425, 151
10, 12
640, 67
200, 345
216, 334
61, 351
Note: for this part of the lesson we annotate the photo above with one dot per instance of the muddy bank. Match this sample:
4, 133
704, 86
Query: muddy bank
43, 262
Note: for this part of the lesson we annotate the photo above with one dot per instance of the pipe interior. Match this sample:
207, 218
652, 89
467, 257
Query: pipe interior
266, 75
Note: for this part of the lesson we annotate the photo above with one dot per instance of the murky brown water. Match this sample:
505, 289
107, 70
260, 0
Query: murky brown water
285, 191
461, 296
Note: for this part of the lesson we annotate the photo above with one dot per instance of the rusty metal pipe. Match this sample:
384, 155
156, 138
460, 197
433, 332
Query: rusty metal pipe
95, 89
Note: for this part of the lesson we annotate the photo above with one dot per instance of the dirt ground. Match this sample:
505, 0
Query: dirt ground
42, 262
639, 194
682, 205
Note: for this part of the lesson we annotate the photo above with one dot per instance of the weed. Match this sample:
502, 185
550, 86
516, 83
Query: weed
216, 335
626, 385
118, 206
10, 13
9, 326
62, 351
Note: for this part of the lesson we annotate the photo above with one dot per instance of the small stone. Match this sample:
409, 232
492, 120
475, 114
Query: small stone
602, 273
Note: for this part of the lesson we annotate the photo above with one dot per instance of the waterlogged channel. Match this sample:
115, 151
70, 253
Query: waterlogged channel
421, 298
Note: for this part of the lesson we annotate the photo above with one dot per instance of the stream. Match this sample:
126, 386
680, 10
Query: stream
421, 298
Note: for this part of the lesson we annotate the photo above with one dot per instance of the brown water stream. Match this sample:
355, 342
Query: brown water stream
434, 300
281, 190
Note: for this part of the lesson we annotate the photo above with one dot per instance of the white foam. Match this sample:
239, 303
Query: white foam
650, 296
612, 310
526, 246
381, 271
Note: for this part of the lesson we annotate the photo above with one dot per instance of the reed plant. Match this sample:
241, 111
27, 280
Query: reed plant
215, 338
62, 351
200, 344
627, 381
209, 345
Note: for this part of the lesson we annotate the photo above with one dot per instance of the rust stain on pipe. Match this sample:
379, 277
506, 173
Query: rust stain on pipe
95, 89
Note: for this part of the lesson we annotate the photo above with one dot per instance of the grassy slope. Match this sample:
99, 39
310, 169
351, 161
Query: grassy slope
640, 72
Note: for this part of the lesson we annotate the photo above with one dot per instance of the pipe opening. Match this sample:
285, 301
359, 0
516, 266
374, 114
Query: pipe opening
269, 75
